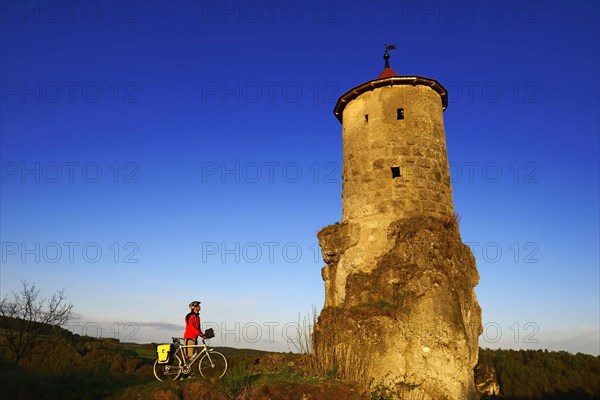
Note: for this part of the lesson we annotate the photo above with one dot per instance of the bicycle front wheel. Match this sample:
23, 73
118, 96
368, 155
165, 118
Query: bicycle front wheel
168, 372
213, 365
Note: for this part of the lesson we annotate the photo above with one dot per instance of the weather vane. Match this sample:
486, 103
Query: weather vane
386, 56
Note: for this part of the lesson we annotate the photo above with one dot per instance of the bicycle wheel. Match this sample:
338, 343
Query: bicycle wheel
213, 365
168, 372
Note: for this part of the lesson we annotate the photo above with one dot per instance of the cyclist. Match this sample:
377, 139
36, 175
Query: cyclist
192, 328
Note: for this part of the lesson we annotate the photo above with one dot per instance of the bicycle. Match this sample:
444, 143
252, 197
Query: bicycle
213, 365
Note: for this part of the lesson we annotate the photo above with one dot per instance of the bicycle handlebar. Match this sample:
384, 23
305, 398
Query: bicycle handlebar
178, 340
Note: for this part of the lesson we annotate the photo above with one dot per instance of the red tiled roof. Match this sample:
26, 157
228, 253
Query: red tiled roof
386, 73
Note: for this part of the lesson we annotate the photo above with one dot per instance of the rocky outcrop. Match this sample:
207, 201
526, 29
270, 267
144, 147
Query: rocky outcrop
406, 315
486, 380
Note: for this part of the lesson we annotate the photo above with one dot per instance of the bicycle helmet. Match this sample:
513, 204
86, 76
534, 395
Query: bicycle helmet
194, 304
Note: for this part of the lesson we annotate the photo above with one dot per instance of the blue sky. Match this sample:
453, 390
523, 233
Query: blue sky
155, 153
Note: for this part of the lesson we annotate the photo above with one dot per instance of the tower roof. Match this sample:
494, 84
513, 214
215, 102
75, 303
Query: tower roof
390, 81
386, 73
389, 78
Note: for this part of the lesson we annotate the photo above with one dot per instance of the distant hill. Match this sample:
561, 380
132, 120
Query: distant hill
68, 366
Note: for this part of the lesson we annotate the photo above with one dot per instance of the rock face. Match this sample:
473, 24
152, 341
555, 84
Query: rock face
487, 383
413, 319
400, 307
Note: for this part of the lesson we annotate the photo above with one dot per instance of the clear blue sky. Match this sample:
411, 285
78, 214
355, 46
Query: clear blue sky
155, 153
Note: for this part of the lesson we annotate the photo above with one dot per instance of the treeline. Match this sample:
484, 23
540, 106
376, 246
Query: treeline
539, 374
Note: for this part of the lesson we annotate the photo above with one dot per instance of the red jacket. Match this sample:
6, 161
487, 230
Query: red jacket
192, 326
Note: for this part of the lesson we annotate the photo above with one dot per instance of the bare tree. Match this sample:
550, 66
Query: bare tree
28, 319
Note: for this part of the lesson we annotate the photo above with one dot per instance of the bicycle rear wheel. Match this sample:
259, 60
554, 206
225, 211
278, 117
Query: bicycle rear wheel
213, 365
168, 372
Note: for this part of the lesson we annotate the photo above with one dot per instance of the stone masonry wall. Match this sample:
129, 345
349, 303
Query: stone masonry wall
374, 140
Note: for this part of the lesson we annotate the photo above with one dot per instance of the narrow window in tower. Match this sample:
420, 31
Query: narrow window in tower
395, 172
366, 117
400, 113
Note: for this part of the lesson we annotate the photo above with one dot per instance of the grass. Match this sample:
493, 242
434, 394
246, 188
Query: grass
144, 352
247, 373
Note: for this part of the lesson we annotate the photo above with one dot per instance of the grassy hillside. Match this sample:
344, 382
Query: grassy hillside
68, 366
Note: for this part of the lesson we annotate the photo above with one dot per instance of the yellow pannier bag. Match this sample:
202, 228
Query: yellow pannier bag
164, 353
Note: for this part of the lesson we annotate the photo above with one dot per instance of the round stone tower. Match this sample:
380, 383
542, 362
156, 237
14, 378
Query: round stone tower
395, 163
400, 307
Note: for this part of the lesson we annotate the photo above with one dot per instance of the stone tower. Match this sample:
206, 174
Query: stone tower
400, 307
394, 158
